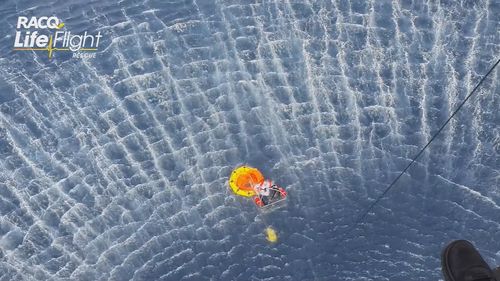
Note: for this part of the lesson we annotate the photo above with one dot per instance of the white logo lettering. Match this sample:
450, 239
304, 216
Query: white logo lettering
39, 23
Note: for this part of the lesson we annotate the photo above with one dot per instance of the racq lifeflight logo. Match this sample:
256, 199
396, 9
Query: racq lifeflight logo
46, 34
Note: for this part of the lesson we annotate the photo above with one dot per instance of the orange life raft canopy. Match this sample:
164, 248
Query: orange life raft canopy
243, 179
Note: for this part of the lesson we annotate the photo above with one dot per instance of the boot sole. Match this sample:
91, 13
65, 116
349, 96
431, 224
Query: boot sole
444, 261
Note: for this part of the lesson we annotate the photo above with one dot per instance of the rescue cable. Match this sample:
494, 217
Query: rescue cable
382, 195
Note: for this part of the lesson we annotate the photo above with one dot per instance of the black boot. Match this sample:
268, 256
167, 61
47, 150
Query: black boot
496, 273
460, 261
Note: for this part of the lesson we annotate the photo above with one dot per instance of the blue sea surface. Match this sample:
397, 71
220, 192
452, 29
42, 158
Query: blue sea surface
116, 167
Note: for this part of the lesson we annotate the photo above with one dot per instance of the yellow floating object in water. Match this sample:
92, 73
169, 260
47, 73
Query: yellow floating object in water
243, 179
271, 235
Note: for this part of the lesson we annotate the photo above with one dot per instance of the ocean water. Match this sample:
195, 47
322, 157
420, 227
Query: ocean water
116, 167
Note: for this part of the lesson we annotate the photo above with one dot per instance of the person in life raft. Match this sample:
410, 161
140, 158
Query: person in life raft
268, 193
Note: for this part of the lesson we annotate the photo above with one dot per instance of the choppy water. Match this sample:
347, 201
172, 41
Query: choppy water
116, 168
